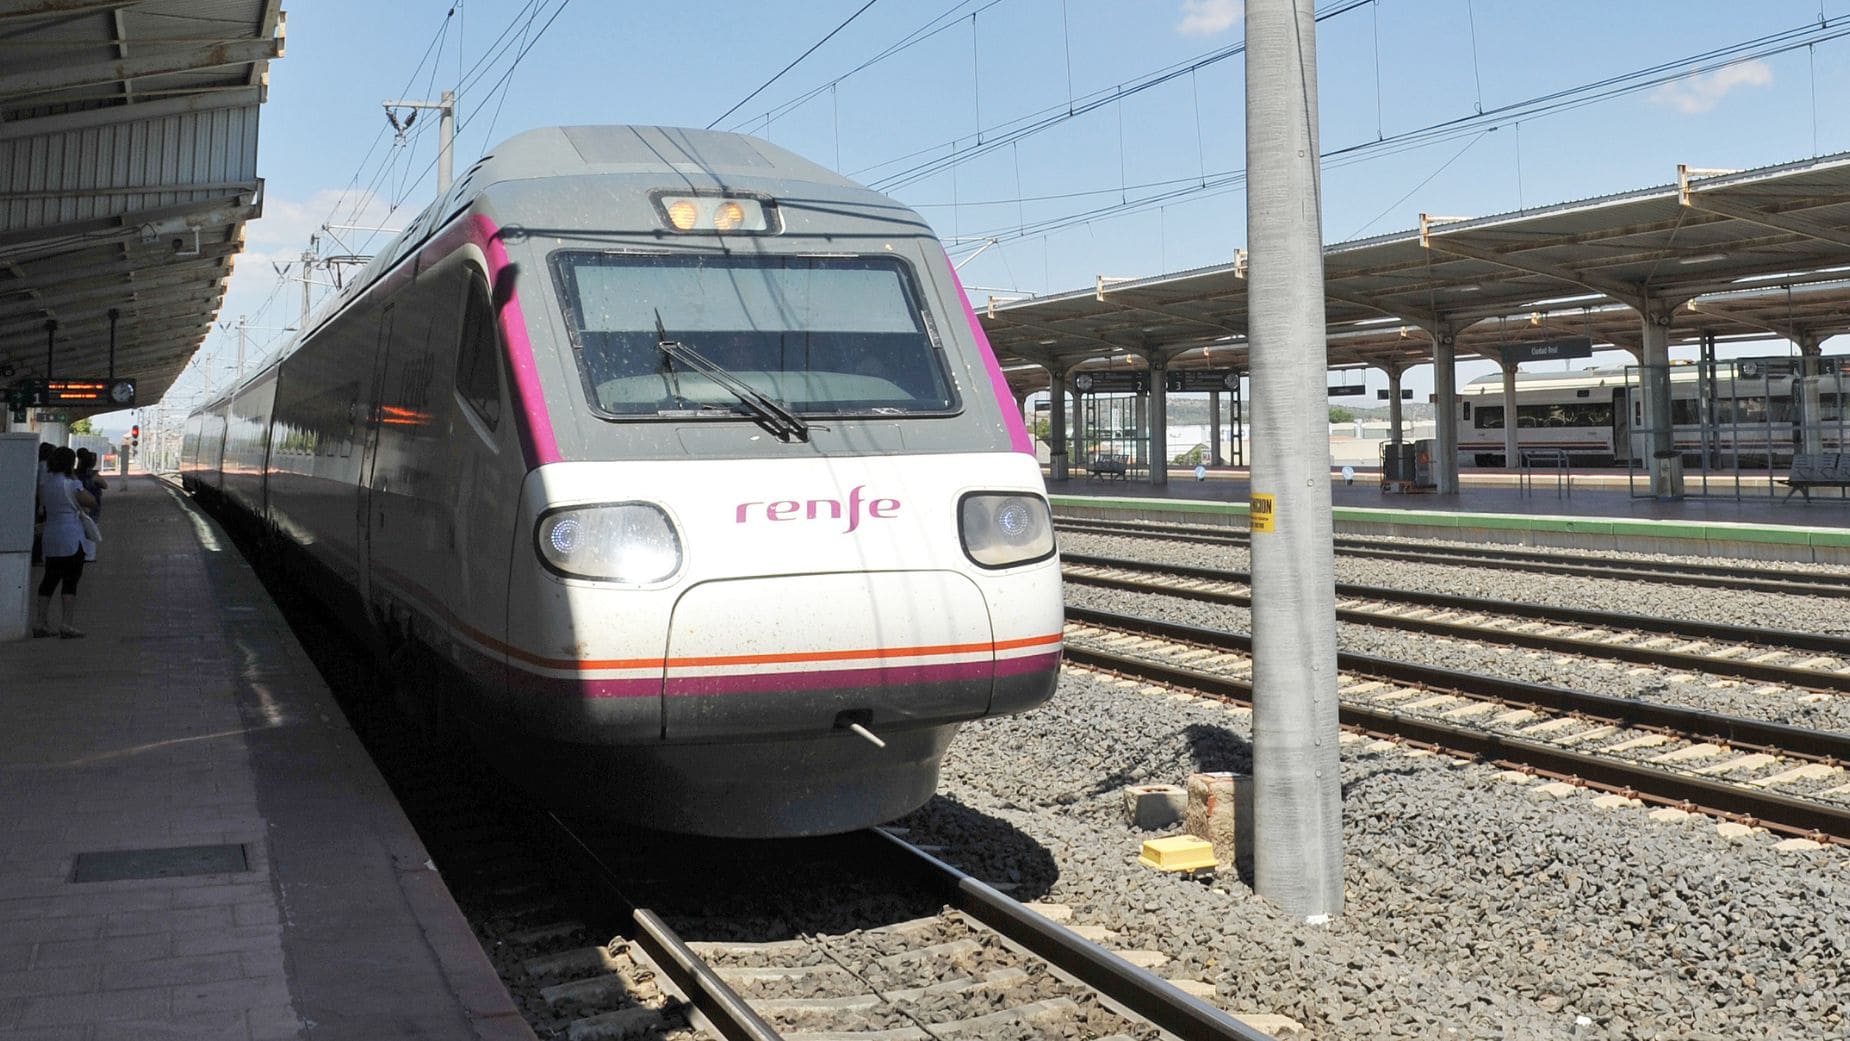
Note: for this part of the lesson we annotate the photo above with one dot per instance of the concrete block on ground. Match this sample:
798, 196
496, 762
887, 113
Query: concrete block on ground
1220, 810
1271, 1023
1152, 807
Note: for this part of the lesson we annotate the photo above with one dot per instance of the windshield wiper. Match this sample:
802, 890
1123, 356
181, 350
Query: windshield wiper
771, 413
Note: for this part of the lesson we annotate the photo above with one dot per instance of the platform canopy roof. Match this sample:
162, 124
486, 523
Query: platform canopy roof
128, 166
1739, 255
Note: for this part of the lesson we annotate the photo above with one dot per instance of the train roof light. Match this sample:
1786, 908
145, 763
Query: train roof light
734, 214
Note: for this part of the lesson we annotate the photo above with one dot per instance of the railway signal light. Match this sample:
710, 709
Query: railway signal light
134, 436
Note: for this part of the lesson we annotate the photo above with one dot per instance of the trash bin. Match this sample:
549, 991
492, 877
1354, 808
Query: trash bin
1424, 478
1396, 466
1667, 475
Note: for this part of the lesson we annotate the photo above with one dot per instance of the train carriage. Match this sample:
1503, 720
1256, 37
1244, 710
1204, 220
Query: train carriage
684, 464
1760, 412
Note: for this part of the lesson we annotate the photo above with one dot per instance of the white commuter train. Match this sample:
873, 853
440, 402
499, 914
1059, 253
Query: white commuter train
1760, 410
684, 467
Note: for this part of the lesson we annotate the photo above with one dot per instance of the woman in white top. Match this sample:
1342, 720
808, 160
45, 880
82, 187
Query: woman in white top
61, 496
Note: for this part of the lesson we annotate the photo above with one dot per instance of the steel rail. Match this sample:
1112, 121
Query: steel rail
1777, 812
1687, 661
1714, 576
1138, 989
1736, 731
718, 1002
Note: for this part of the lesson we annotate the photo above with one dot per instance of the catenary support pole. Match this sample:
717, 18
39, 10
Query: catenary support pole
1297, 797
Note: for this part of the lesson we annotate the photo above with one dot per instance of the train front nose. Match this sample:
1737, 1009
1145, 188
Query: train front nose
802, 655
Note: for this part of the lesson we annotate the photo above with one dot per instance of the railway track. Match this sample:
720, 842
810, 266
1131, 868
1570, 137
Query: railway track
1812, 661
1728, 766
983, 964
1723, 576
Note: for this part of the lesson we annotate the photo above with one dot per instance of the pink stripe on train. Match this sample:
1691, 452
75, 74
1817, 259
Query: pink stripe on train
538, 443
1011, 413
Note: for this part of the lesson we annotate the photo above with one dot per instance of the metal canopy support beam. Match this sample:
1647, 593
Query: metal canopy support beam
162, 63
40, 9
1435, 240
1297, 797
1811, 229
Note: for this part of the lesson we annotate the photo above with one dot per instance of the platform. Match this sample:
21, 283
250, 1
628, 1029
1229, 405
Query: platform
1599, 512
189, 734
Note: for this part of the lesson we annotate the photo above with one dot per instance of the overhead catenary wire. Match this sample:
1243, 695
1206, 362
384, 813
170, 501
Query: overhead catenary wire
794, 62
944, 20
1566, 99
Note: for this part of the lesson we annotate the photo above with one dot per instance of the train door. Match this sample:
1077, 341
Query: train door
1621, 425
369, 455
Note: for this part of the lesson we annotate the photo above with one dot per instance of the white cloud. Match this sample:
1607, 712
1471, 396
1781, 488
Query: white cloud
1702, 92
1207, 17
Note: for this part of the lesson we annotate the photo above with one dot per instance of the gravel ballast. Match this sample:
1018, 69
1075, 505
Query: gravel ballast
1476, 908
1713, 694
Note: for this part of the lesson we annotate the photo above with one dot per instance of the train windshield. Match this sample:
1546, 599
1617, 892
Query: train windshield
818, 335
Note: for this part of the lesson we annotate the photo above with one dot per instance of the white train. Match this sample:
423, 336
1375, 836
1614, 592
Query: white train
1761, 409
681, 467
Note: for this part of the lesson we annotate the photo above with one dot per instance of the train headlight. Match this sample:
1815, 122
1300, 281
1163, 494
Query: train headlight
1000, 530
739, 214
633, 542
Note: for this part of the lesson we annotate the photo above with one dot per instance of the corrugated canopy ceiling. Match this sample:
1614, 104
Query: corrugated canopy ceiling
1738, 255
128, 166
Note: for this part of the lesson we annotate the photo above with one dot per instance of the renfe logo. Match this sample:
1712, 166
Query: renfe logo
817, 509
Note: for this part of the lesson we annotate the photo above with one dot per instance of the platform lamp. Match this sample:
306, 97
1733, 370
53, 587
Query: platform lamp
51, 330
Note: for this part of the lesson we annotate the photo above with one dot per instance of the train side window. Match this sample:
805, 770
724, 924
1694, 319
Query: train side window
478, 376
1490, 417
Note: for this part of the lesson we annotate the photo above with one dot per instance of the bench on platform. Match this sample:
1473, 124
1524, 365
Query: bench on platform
1110, 466
1817, 470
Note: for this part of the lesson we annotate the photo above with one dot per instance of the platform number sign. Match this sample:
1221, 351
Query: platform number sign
1264, 512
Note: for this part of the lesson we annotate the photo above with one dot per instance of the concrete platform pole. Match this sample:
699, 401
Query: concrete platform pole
1297, 799
1511, 421
1140, 424
1811, 364
1215, 458
1654, 369
1445, 409
1159, 422
1395, 425
1056, 422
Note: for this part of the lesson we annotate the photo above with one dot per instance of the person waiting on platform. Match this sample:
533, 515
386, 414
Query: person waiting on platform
62, 498
92, 480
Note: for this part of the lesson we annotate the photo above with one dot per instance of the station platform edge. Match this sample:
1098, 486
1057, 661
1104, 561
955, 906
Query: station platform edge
196, 845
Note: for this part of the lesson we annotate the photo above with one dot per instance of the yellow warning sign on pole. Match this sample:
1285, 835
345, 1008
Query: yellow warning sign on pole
1263, 512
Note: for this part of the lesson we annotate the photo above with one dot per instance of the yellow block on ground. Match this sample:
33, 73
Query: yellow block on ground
1180, 853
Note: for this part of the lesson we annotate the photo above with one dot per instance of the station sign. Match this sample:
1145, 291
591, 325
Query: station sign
1406, 394
70, 393
1548, 350
1768, 368
1136, 380
1201, 381
1348, 390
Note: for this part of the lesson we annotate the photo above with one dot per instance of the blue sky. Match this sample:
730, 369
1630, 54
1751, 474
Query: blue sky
1388, 68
